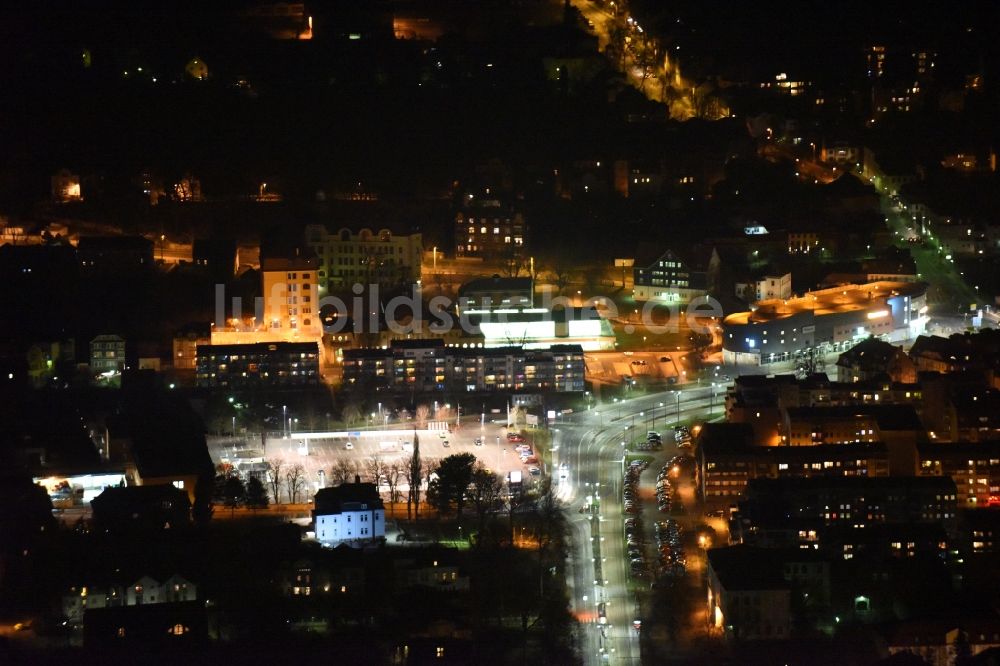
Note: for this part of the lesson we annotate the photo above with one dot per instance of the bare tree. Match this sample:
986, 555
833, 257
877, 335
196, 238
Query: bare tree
423, 411
513, 263
343, 471
430, 469
295, 482
516, 413
376, 468
414, 474
562, 271
275, 468
616, 48
486, 490
393, 474
646, 60
351, 413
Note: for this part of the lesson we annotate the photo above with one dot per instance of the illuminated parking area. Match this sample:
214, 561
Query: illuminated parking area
78, 489
825, 321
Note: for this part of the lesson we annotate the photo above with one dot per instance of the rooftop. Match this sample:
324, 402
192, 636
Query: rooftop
844, 298
260, 348
497, 283
870, 353
747, 568
888, 417
332, 500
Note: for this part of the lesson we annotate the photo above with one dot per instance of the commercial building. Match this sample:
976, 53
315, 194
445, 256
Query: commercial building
678, 277
828, 320
541, 328
259, 364
423, 366
502, 311
489, 229
497, 293
349, 514
367, 257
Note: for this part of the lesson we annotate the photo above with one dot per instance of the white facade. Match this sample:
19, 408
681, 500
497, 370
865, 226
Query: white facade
766, 288
145, 590
670, 294
355, 525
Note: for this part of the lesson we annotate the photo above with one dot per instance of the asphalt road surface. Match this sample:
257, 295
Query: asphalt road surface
590, 446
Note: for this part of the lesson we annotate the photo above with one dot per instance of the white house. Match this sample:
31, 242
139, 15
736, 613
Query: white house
351, 514
143, 591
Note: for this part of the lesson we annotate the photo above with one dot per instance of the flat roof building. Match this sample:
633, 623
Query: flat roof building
828, 320
423, 366
260, 364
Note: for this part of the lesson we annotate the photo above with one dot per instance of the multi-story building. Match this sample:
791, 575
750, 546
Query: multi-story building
497, 293
421, 366
185, 345
764, 288
141, 591
973, 466
980, 528
291, 295
748, 597
678, 276
896, 426
107, 354
852, 500
347, 258
875, 359
260, 364
349, 514
727, 463
826, 321
489, 229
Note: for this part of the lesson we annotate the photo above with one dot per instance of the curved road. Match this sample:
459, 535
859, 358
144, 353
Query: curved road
590, 445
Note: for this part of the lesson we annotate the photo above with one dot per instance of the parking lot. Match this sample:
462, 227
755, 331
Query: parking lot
318, 453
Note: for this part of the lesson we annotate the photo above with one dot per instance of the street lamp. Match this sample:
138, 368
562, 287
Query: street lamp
284, 417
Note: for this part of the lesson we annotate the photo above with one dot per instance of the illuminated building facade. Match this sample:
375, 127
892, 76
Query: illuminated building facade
261, 364
366, 257
424, 366
827, 320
